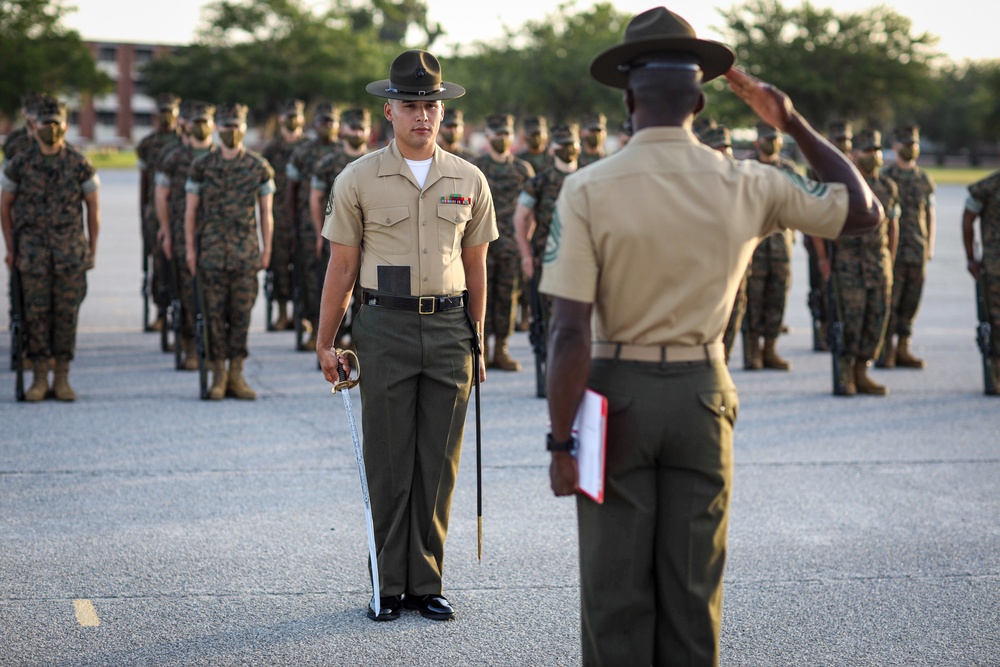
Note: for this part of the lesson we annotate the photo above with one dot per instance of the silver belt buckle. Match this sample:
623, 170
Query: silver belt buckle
430, 308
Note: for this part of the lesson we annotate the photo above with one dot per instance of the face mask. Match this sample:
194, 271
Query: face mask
50, 135
167, 118
231, 137
869, 162
592, 140
568, 154
909, 152
200, 130
535, 141
767, 147
356, 140
325, 132
500, 144
292, 123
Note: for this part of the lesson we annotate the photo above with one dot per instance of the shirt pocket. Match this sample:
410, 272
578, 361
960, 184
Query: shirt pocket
724, 404
452, 220
384, 233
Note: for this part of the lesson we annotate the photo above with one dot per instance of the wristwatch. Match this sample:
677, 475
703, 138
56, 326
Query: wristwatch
552, 445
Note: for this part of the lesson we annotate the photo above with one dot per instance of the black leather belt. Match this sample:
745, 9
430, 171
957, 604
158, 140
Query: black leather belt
425, 305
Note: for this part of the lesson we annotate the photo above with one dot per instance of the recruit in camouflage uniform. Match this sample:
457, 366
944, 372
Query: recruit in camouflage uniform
507, 176
171, 199
536, 205
46, 186
720, 138
146, 153
536, 143
278, 152
24, 136
984, 203
451, 133
770, 271
355, 131
299, 171
593, 132
224, 188
841, 134
863, 268
916, 247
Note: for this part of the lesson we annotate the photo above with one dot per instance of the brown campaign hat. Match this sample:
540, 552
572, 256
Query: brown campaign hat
415, 75
656, 31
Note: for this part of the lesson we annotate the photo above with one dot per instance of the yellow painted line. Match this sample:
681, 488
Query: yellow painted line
86, 615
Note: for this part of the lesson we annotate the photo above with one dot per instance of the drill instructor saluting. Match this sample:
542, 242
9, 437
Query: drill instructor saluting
414, 222
659, 275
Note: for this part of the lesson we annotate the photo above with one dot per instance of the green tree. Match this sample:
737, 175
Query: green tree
963, 112
868, 66
38, 53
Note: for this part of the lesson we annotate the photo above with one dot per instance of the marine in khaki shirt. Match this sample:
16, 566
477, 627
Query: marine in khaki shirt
414, 222
644, 259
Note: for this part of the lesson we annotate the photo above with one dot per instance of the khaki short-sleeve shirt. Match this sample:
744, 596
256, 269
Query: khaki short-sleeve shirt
658, 236
378, 206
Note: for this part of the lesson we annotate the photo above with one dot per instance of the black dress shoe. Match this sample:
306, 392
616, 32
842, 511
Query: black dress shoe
432, 606
390, 607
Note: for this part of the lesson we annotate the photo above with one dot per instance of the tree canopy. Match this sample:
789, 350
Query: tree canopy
37, 53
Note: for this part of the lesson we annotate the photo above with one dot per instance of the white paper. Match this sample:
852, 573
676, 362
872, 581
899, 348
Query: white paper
590, 429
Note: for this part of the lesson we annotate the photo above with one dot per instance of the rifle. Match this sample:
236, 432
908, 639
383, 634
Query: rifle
835, 329
18, 335
163, 296
745, 339
201, 336
815, 303
984, 333
146, 288
269, 299
537, 334
174, 310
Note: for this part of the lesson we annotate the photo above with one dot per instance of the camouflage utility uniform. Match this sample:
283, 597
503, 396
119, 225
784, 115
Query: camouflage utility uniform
984, 201
228, 247
53, 251
503, 259
916, 200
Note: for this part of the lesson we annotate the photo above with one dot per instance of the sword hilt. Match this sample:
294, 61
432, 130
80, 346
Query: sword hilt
347, 382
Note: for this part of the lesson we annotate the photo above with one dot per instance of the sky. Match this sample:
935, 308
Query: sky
965, 27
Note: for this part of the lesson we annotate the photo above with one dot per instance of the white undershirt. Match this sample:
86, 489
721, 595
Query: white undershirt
420, 169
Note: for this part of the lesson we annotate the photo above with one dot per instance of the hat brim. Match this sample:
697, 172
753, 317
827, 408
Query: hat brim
383, 88
714, 58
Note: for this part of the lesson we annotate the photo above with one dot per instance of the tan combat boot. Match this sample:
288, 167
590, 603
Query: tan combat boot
281, 324
60, 384
190, 362
887, 358
771, 359
310, 343
219, 380
864, 383
39, 388
903, 356
850, 388
995, 371
502, 358
238, 386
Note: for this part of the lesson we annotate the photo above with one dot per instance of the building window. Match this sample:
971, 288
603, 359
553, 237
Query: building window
143, 119
107, 118
143, 56
107, 54
74, 117
141, 87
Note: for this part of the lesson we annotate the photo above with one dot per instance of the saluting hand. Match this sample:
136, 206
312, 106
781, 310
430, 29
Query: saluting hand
772, 105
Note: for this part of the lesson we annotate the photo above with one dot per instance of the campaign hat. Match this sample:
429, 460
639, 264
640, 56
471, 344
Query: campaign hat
415, 75
656, 32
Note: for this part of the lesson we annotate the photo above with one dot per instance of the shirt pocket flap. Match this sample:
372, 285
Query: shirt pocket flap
388, 216
456, 214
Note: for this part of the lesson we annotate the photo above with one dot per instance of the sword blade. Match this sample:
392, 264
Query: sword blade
359, 456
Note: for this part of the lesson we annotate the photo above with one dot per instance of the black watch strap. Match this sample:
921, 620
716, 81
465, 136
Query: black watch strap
552, 445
